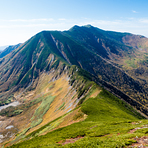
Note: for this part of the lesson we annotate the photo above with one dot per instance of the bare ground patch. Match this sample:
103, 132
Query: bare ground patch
72, 140
141, 142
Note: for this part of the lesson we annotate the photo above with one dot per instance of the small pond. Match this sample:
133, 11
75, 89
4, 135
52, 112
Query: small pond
10, 104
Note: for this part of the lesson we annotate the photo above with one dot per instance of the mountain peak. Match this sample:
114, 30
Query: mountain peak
74, 27
88, 26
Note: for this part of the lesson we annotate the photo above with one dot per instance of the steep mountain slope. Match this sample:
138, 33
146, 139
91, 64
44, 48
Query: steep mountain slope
106, 44
38, 117
113, 51
40, 75
36, 54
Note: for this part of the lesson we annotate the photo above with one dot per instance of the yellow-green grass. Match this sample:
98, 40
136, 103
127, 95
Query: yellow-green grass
107, 125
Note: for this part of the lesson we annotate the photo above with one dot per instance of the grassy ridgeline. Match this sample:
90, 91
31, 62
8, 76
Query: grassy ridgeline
107, 115
108, 108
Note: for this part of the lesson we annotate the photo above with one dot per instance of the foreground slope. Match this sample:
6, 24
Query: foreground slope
107, 125
104, 121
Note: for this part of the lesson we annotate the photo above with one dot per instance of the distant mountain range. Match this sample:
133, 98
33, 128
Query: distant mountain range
2, 48
7, 49
53, 72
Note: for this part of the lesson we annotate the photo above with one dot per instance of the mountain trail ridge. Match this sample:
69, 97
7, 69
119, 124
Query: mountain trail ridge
73, 76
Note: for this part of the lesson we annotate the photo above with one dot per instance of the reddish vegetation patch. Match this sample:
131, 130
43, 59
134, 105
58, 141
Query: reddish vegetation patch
133, 130
72, 140
141, 142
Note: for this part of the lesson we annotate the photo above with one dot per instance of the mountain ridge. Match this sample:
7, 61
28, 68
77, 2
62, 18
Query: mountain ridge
99, 62
81, 59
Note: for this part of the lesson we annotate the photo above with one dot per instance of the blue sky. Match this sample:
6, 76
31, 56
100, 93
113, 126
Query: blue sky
21, 19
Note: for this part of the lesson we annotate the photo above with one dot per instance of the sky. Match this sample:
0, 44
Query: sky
21, 19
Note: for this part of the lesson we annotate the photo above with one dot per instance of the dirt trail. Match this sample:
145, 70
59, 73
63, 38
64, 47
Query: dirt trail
72, 140
141, 143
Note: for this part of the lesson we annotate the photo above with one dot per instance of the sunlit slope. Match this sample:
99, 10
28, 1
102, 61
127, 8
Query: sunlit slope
106, 115
54, 94
56, 78
90, 48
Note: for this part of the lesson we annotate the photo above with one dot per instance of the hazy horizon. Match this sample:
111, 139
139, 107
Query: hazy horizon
20, 20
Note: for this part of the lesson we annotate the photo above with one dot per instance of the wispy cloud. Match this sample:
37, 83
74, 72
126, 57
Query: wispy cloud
105, 22
134, 11
28, 20
143, 21
23, 26
29, 27
62, 19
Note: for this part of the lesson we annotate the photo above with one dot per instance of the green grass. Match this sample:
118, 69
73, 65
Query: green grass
38, 115
107, 116
131, 63
41, 110
106, 107
62, 106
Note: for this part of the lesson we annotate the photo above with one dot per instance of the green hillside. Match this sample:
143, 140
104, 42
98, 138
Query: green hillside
84, 87
107, 117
